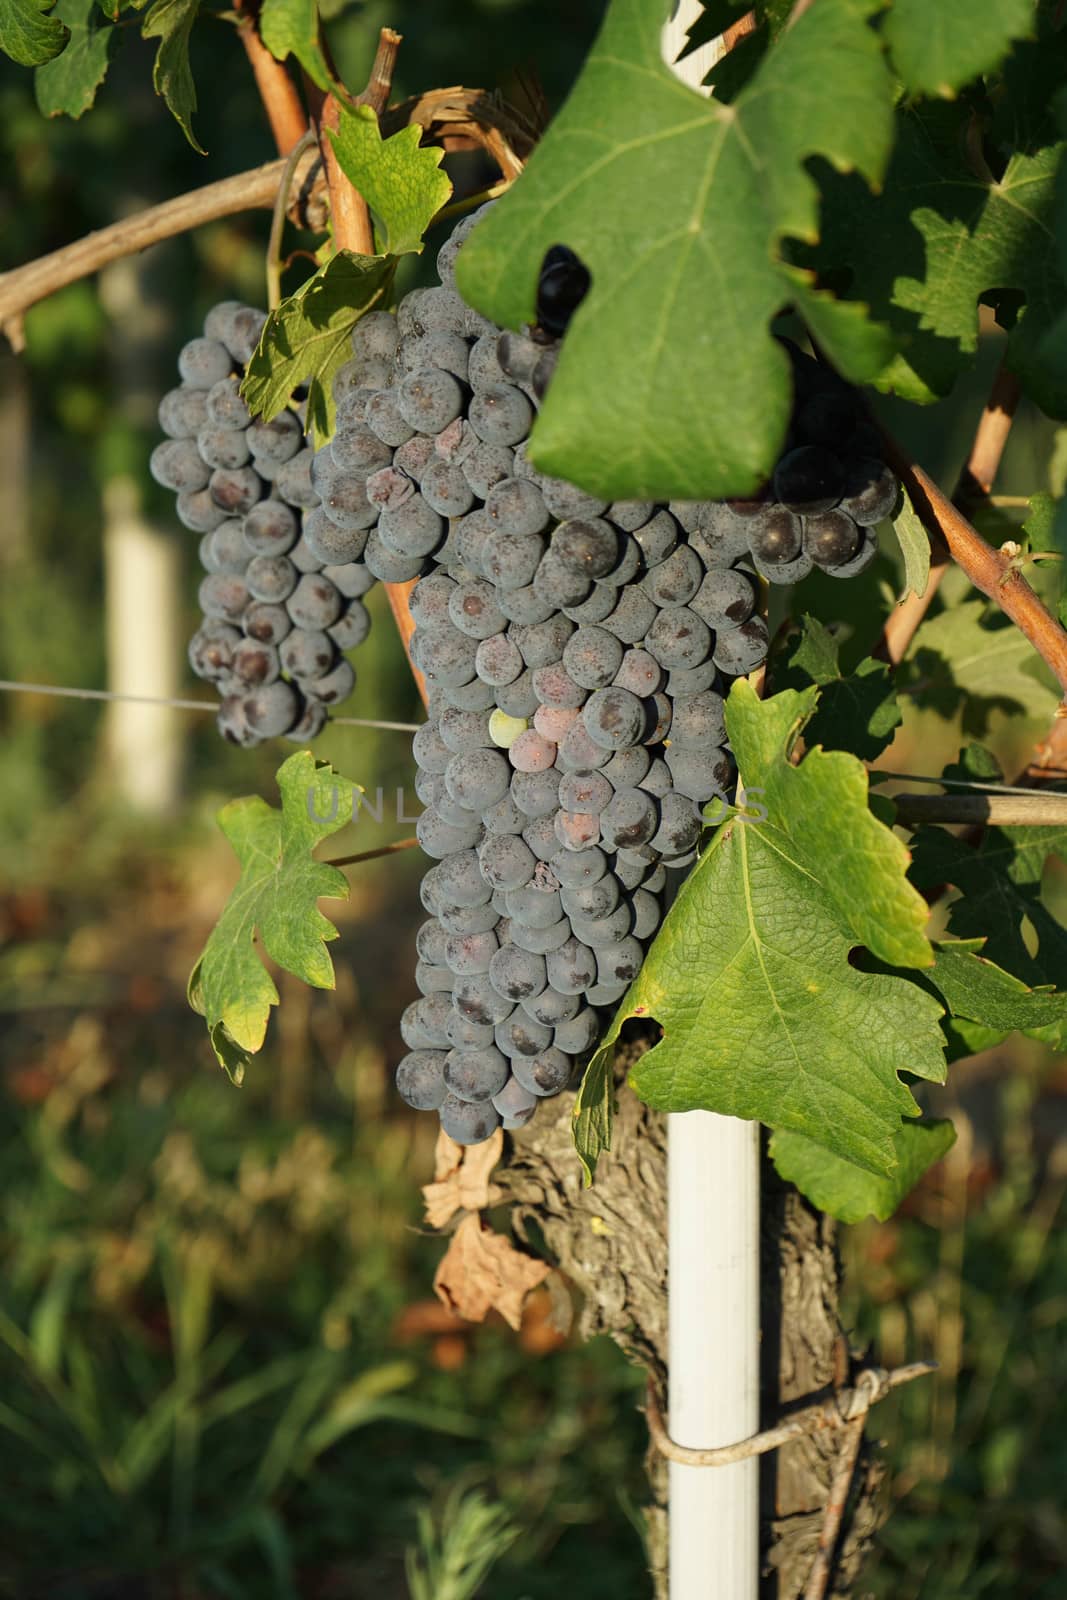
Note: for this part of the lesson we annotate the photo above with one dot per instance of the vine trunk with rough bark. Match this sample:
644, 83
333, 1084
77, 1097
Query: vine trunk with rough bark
610, 1244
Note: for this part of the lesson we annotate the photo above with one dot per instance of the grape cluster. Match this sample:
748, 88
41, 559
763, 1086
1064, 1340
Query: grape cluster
578, 654
282, 598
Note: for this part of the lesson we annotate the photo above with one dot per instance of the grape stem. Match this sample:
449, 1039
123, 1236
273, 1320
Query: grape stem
973, 489
277, 223
24, 286
281, 101
992, 810
371, 855
993, 572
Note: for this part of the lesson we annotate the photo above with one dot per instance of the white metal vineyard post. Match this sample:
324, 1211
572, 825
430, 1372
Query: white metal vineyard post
713, 1280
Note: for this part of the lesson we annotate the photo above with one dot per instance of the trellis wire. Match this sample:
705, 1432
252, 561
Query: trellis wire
70, 693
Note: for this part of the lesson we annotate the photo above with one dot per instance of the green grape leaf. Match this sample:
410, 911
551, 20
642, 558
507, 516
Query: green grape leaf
669, 383
763, 1014
171, 22
274, 903
847, 1191
914, 542
975, 988
1000, 899
971, 655
291, 27
594, 1113
972, 234
308, 338
857, 712
400, 179
28, 34
67, 85
937, 48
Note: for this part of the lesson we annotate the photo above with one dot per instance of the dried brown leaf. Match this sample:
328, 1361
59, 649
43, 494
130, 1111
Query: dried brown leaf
481, 1271
461, 1174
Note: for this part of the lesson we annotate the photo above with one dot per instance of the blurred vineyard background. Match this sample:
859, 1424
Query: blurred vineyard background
222, 1371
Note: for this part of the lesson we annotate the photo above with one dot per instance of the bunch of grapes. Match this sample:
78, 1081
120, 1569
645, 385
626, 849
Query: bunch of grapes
578, 654
283, 593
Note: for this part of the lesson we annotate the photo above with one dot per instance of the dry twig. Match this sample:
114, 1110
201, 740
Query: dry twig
846, 1406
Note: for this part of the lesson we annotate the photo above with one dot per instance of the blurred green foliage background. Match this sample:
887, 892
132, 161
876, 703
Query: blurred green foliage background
222, 1372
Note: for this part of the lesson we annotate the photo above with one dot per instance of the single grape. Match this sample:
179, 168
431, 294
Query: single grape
809, 479
516, 356
632, 616
539, 941
520, 1035
871, 491
725, 598
535, 793
619, 962
475, 1075
464, 730
307, 653
500, 414
585, 790
831, 538
268, 623
352, 626
540, 834
517, 974
774, 537
497, 660
271, 528
466, 1123
525, 606
613, 718
476, 998
273, 709
477, 778
276, 441
430, 598
675, 580
517, 506
314, 602
223, 596
657, 536
446, 490
740, 651
542, 643
229, 552
588, 546
571, 968
335, 685
420, 1080
429, 399
700, 774
272, 579
517, 698
376, 334
468, 953
629, 819
627, 768
554, 686
559, 584
255, 663
413, 529
551, 1008
233, 724
506, 860
211, 649
679, 638
444, 654
436, 351
578, 751
515, 1104
531, 752
384, 420
639, 672
183, 412
236, 491
579, 1033
463, 1034
555, 722
512, 560
486, 465
546, 1074
355, 450
176, 464
293, 480
577, 830
699, 721
863, 558
204, 362
679, 826
225, 406
386, 565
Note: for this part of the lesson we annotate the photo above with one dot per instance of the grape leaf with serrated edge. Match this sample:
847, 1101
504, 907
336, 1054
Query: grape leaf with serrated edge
274, 902
1000, 889
669, 382
958, 235
857, 712
400, 179
28, 34
845, 1190
67, 85
974, 987
291, 27
971, 654
307, 339
171, 22
936, 48
749, 977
